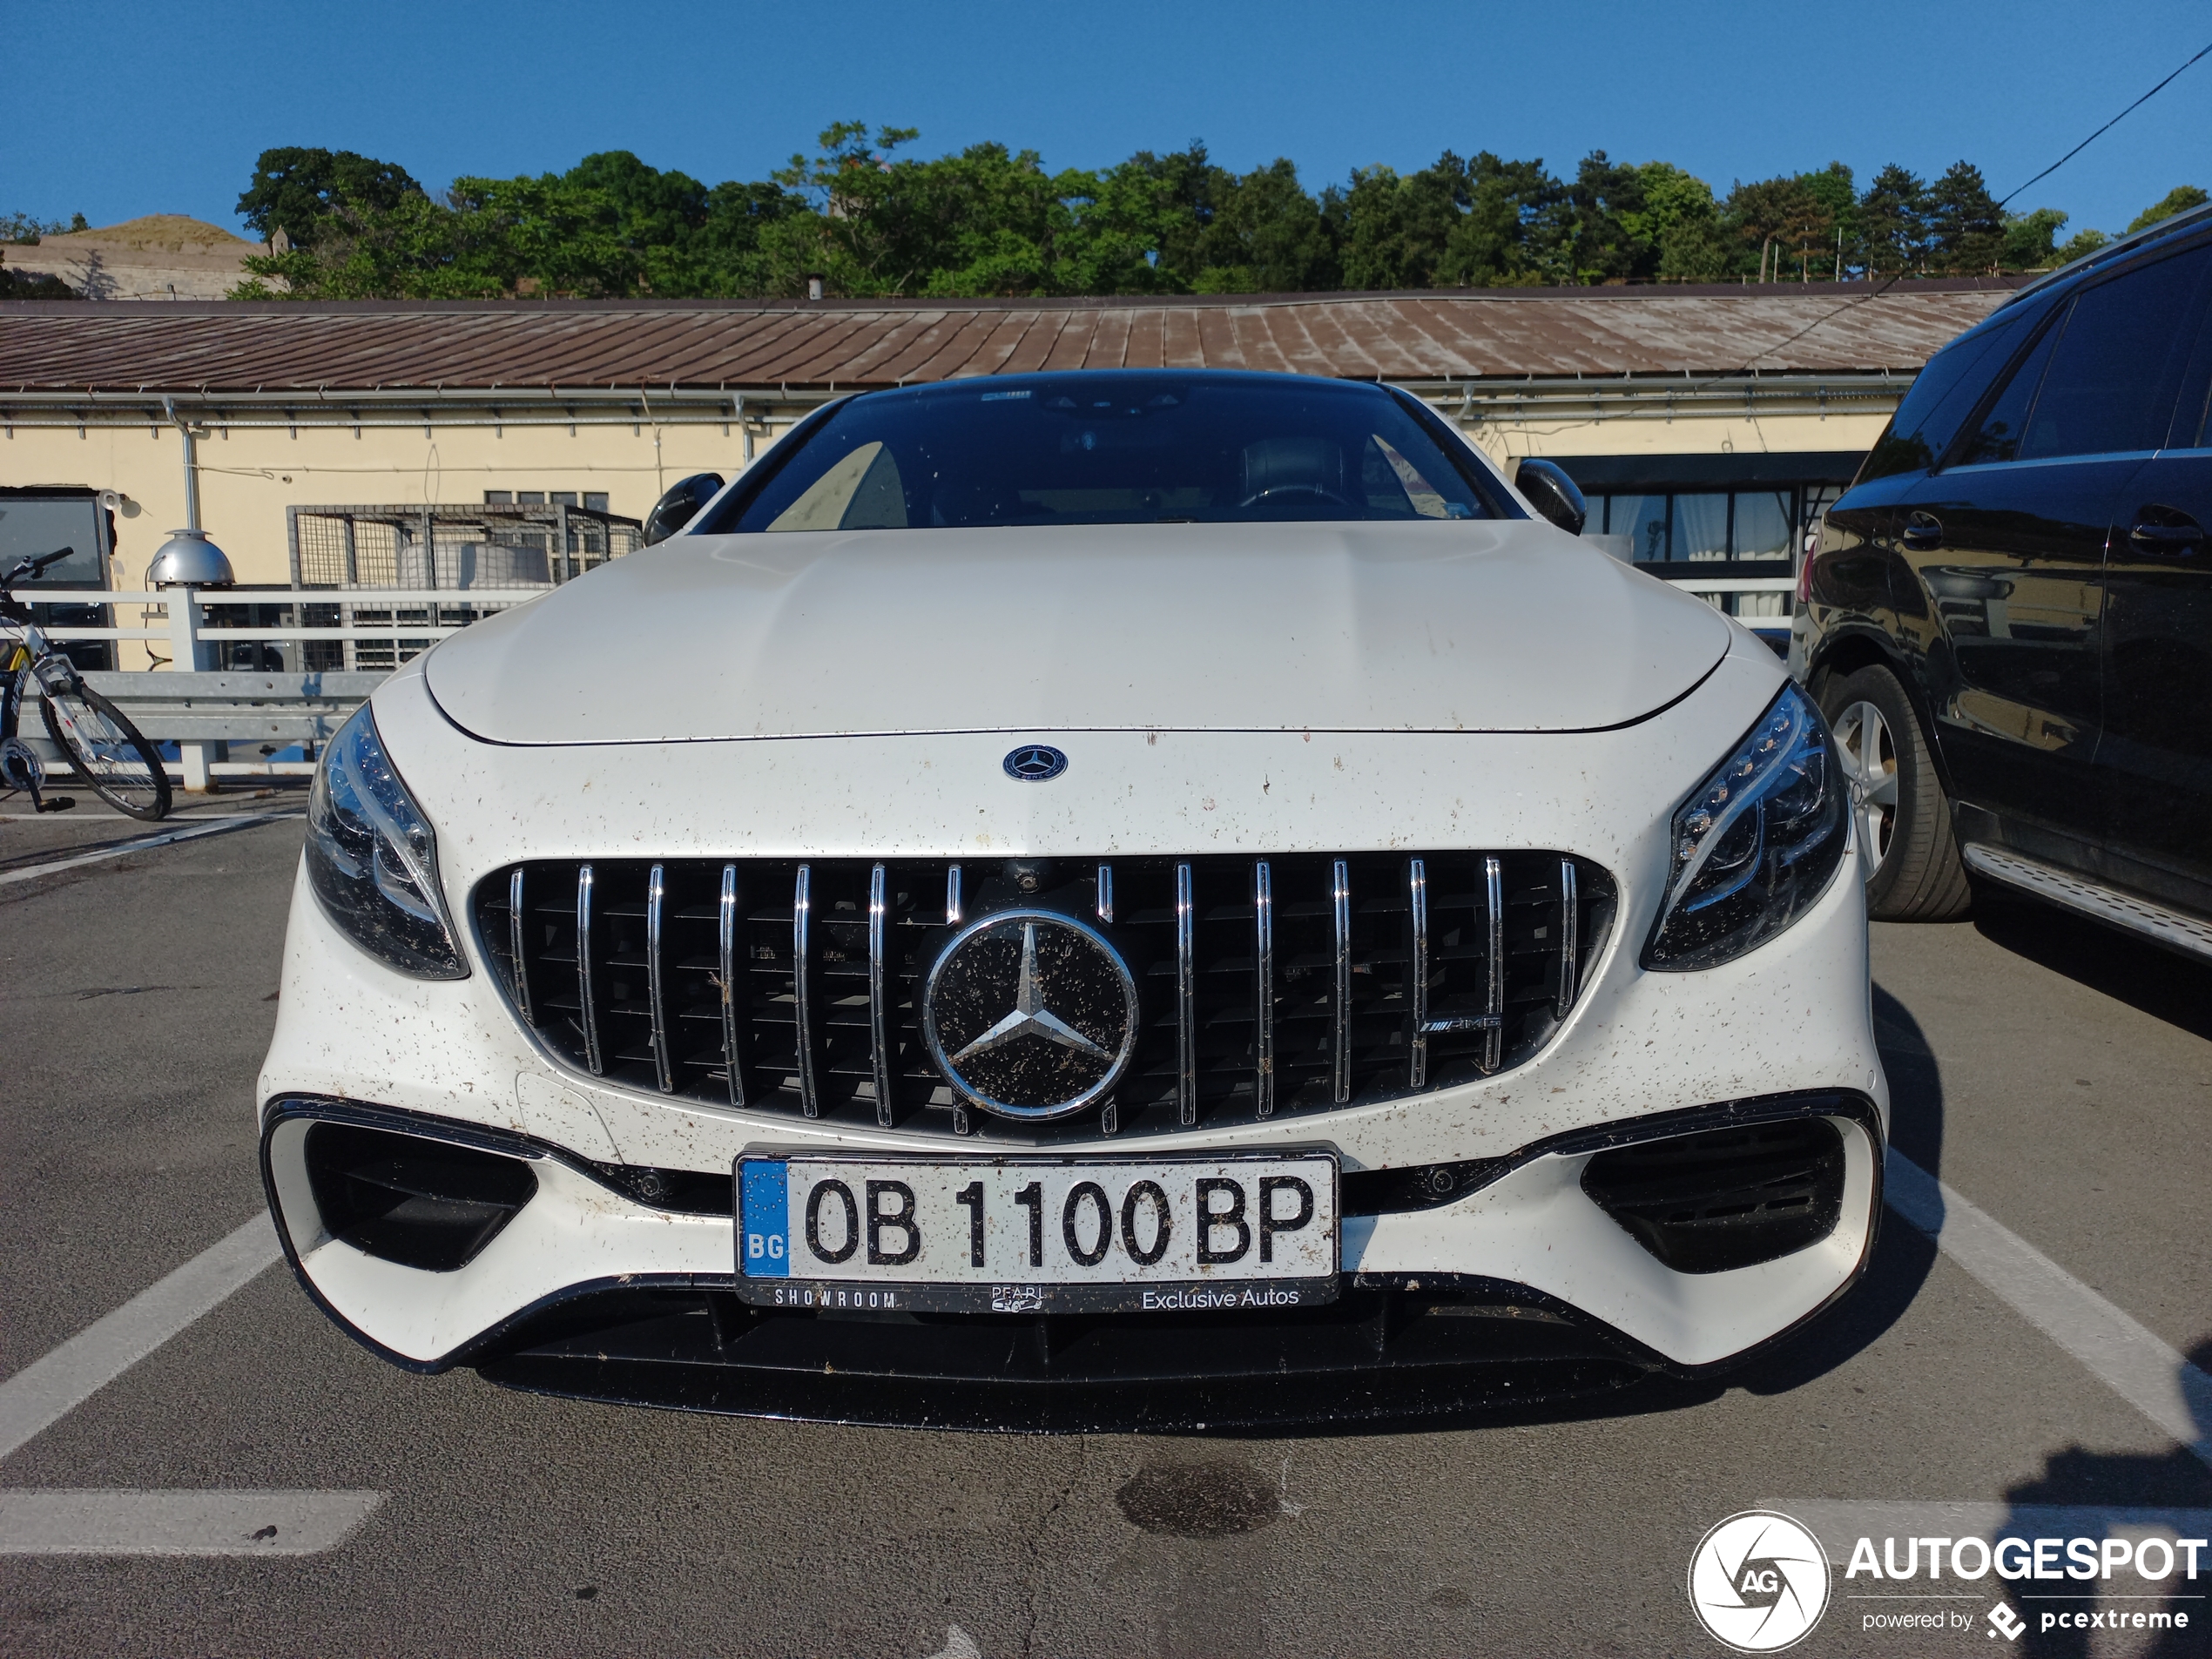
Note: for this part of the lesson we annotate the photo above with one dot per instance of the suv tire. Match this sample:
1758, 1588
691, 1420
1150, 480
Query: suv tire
1902, 816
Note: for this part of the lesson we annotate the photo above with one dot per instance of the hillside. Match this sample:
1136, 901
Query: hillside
161, 256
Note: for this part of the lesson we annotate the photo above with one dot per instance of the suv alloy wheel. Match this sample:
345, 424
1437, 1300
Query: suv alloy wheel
1904, 819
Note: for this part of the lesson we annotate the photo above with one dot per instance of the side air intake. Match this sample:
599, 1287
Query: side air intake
1725, 1197
404, 1198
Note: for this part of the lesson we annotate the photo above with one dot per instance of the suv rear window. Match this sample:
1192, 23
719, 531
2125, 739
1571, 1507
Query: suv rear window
2110, 388
1942, 398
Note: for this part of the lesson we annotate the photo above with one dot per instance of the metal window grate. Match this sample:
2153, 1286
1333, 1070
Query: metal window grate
1267, 986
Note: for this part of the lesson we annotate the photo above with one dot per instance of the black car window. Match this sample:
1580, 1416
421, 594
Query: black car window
1115, 449
2110, 386
2192, 428
1941, 398
1998, 436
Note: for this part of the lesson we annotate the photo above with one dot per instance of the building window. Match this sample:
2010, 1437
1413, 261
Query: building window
593, 501
1708, 526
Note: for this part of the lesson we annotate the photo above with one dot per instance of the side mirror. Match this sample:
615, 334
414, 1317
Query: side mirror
680, 505
1552, 493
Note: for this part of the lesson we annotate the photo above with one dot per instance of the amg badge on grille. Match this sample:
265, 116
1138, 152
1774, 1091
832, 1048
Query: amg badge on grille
1030, 1014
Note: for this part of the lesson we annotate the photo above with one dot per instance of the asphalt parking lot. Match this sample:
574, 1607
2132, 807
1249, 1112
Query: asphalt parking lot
2057, 1082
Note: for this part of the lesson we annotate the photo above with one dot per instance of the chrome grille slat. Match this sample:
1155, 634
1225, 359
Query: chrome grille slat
518, 946
656, 985
726, 942
588, 1002
1270, 984
1340, 988
1563, 1003
1493, 904
1263, 989
879, 1054
1186, 999
802, 993
1417, 976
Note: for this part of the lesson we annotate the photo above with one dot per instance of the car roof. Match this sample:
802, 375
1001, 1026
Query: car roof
2179, 224
1038, 377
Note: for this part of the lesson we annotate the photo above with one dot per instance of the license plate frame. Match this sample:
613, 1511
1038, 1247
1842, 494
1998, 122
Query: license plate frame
839, 1275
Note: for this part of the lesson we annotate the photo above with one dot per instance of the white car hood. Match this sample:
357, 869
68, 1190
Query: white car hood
1504, 625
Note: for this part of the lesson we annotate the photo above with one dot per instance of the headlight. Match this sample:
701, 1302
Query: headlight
1756, 843
372, 859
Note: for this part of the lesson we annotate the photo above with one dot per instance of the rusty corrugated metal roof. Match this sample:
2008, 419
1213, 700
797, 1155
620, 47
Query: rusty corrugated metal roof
394, 346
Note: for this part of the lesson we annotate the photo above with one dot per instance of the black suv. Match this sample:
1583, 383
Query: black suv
2009, 618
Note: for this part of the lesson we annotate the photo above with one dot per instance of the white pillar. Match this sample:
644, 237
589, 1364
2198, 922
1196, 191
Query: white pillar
187, 654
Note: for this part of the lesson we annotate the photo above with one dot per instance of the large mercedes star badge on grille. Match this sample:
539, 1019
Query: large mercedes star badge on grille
1030, 1014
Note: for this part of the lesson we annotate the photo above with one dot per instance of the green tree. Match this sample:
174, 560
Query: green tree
1678, 219
2082, 243
26, 229
2178, 199
1510, 236
1392, 232
2030, 239
1966, 229
1219, 231
1600, 235
1786, 221
1893, 222
295, 191
1836, 190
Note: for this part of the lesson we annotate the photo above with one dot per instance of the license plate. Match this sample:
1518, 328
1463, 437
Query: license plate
1029, 1235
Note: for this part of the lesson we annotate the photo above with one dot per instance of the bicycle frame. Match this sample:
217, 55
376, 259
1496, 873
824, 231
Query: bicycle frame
26, 656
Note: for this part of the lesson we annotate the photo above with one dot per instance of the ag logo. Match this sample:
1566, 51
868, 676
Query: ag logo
1758, 1581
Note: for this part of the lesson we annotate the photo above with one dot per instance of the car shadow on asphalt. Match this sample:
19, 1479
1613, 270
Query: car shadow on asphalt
2078, 1477
2161, 983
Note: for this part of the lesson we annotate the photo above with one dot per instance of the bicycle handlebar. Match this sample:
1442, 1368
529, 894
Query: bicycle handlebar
25, 568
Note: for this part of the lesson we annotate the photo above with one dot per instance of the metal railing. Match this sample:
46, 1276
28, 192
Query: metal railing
203, 708
186, 631
1705, 587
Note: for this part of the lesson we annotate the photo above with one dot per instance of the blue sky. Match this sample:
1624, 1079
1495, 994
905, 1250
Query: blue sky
119, 108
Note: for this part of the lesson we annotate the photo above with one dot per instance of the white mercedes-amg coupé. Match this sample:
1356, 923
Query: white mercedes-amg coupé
1154, 898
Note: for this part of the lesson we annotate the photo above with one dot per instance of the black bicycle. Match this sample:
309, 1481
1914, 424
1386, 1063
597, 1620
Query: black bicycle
107, 751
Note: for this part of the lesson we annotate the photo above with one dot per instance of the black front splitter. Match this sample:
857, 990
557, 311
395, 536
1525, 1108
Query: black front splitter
1376, 1357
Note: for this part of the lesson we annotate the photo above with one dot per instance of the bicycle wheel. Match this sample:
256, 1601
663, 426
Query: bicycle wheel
122, 766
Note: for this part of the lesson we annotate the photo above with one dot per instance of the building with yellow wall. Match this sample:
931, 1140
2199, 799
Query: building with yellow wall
1704, 402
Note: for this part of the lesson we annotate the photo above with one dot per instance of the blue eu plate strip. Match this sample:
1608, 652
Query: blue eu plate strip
763, 1219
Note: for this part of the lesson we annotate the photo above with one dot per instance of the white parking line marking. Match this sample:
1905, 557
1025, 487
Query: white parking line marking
140, 846
181, 816
2132, 1360
48, 1389
958, 1645
64, 1522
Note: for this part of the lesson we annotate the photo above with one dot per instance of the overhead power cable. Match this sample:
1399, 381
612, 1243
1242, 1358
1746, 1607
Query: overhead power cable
2106, 127
1861, 298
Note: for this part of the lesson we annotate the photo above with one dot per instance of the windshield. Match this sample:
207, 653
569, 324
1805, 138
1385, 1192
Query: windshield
1113, 448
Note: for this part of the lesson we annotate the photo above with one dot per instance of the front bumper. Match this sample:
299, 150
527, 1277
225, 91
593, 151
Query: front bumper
612, 1281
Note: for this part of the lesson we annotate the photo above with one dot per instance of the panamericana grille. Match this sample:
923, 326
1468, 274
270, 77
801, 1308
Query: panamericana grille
1293, 983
